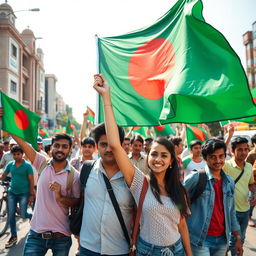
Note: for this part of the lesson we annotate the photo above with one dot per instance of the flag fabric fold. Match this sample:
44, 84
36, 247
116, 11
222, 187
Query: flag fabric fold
180, 69
19, 121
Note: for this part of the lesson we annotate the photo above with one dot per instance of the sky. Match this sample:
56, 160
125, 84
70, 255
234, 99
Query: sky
67, 30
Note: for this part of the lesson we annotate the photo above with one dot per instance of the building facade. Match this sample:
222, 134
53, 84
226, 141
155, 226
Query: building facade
21, 64
249, 39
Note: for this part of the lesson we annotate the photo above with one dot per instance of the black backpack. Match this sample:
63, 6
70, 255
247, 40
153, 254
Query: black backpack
200, 187
76, 216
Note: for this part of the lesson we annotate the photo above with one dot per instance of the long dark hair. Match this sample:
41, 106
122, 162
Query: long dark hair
173, 186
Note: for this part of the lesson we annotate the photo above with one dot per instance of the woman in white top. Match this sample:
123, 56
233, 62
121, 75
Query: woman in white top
163, 229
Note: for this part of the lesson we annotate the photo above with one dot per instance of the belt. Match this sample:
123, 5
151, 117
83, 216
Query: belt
50, 234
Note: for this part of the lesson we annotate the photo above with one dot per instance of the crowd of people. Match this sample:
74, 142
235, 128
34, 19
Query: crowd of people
195, 204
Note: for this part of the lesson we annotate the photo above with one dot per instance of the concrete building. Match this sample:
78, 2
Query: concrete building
60, 104
54, 103
21, 64
50, 99
249, 39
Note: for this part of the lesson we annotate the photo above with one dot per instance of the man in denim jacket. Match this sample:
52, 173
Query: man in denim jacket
213, 214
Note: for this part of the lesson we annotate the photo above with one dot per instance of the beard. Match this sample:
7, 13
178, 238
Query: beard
57, 158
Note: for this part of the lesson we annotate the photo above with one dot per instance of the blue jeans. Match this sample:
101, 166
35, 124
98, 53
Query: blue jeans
212, 246
86, 252
143, 248
251, 211
35, 245
13, 199
242, 218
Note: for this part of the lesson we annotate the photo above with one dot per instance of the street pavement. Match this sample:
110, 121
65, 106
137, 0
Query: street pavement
23, 227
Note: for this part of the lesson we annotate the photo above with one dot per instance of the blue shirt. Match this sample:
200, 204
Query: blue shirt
202, 208
20, 182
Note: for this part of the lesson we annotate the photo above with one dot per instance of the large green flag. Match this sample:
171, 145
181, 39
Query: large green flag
249, 120
180, 69
19, 121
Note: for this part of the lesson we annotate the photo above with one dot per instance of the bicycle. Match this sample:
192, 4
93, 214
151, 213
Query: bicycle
4, 207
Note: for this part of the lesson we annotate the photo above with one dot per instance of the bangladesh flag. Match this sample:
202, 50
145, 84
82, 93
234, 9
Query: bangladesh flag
179, 69
43, 133
163, 130
248, 120
69, 129
196, 132
127, 130
19, 121
91, 115
143, 131
59, 129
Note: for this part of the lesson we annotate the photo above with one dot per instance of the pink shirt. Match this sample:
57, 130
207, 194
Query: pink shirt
50, 215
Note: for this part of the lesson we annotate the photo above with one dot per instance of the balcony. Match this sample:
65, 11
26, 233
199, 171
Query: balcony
25, 103
25, 72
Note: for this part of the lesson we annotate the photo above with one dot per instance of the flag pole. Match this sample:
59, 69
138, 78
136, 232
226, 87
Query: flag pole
97, 72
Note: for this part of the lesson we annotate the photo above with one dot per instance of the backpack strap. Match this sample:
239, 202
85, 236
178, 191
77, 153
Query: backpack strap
42, 166
85, 172
76, 165
200, 187
70, 179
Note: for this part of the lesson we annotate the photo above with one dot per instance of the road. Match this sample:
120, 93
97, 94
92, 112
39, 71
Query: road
23, 227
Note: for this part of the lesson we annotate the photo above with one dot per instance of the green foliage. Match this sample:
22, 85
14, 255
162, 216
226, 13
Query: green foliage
63, 118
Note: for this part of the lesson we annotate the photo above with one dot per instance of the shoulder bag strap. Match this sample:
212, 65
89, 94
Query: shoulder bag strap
239, 176
138, 214
116, 207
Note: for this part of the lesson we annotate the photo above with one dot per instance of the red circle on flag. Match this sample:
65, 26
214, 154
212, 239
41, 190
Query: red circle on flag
160, 128
21, 119
151, 67
136, 128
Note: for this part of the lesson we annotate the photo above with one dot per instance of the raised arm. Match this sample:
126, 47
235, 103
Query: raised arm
124, 163
28, 150
83, 126
230, 132
76, 137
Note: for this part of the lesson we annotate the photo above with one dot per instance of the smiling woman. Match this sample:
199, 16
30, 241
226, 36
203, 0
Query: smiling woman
163, 225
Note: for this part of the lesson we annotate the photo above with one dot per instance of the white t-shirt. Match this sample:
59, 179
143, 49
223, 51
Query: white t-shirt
190, 165
159, 222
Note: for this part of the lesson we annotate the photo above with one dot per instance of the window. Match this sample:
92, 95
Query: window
14, 51
13, 87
